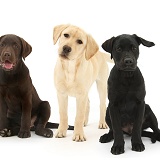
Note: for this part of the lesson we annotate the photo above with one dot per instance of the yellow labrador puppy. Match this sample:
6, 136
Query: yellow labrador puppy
79, 64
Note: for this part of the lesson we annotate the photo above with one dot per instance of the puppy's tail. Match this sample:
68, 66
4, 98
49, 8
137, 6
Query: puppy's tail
108, 58
55, 125
154, 137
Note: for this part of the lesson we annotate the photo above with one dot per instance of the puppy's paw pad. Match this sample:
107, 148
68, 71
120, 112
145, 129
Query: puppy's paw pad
116, 150
138, 147
79, 138
5, 133
47, 133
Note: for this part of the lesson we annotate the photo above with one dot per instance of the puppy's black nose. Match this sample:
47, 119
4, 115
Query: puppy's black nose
128, 61
7, 54
67, 49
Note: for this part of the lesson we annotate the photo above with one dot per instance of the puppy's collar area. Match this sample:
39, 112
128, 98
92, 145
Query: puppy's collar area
127, 74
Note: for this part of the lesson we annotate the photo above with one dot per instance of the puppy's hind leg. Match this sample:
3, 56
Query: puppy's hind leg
102, 89
42, 119
152, 122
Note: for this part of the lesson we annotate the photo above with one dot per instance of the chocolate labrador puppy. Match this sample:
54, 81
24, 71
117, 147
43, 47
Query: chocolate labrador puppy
127, 111
20, 106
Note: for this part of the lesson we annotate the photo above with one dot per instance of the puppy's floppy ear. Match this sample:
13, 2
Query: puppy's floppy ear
108, 45
143, 41
1, 37
91, 48
57, 31
26, 48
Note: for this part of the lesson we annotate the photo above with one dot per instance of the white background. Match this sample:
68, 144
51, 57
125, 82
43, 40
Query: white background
34, 20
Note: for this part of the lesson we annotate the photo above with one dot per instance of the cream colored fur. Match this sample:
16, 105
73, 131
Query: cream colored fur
74, 76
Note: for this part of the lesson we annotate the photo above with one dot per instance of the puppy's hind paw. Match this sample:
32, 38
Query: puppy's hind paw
155, 137
106, 138
102, 125
45, 132
5, 132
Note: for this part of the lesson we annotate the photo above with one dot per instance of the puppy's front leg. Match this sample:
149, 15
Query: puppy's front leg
118, 146
137, 144
26, 118
63, 107
3, 114
81, 101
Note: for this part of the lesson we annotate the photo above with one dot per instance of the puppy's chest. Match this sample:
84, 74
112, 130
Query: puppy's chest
70, 80
70, 74
10, 94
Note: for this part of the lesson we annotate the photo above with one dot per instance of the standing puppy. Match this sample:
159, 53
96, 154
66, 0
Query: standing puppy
79, 64
127, 111
20, 105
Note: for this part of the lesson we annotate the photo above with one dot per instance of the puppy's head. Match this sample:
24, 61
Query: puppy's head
12, 49
124, 50
74, 42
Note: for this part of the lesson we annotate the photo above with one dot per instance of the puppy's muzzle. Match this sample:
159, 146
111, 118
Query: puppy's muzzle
65, 51
7, 61
128, 61
128, 64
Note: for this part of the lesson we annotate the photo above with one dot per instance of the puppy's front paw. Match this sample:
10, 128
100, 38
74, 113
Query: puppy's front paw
60, 133
139, 147
24, 134
102, 125
106, 138
5, 132
79, 137
117, 149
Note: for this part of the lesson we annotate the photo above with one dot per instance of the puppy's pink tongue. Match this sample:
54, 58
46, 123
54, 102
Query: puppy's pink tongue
8, 65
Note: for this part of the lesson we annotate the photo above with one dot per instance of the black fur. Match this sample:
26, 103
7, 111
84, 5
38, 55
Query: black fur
127, 111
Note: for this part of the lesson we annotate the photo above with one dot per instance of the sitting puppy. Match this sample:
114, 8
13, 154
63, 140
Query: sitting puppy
79, 64
20, 105
127, 111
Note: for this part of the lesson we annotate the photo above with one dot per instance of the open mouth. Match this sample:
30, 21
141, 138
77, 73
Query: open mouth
7, 65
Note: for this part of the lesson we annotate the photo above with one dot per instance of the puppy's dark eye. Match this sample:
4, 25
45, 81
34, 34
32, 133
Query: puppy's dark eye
119, 49
134, 48
2, 45
79, 41
66, 35
16, 46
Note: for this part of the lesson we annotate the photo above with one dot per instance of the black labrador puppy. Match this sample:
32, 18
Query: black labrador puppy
127, 111
20, 106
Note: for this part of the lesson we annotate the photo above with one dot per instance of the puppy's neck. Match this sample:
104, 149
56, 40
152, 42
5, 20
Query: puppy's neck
127, 74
